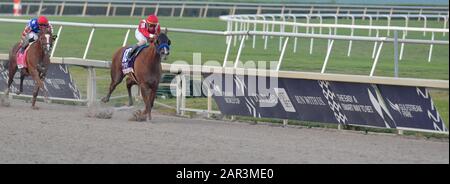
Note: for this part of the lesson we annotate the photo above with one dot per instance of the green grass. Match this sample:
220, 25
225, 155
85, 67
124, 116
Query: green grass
106, 41
414, 64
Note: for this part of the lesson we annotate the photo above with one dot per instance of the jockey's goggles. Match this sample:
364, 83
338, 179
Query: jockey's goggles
152, 24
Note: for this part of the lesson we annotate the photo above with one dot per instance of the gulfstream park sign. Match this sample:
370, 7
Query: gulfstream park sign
58, 82
346, 103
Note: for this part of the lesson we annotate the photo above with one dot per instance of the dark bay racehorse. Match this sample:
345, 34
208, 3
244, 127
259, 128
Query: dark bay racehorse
37, 61
147, 74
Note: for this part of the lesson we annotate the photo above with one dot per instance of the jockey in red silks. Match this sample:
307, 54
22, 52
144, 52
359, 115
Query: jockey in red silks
31, 31
147, 31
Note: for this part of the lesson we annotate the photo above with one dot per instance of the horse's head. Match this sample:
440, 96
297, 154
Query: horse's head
46, 39
163, 45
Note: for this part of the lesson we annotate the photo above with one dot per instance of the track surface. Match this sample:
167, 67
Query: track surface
63, 134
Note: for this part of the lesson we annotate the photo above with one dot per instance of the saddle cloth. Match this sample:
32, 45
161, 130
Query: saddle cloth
128, 63
21, 58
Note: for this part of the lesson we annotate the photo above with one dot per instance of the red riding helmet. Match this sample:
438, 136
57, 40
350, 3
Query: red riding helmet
152, 19
42, 21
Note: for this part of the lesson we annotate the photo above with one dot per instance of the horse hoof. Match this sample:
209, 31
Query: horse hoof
18, 93
35, 108
138, 116
4, 102
105, 100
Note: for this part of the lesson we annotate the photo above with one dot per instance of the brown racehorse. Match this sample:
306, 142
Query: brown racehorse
37, 62
147, 74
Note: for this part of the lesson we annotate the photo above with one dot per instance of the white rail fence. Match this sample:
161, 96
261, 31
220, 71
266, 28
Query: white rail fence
278, 24
204, 9
91, 64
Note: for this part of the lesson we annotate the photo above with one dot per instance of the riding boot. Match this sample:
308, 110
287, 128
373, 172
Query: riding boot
132, 51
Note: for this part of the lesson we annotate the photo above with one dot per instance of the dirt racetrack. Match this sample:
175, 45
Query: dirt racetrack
63, 134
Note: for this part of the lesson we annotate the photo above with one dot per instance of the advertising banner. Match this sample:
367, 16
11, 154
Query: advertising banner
58, 82
369, 105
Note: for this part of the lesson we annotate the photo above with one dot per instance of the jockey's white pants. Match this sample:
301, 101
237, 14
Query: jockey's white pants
141, 38
32, 35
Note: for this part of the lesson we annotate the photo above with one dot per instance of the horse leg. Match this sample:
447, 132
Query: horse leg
152, 97
33, 101
22, 77
116, 79
12, 72
130, 83
145, 92
38, 85
46, 94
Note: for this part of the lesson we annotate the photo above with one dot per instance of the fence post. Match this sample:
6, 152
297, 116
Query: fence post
28, 10
132, 9
56, 10
311, 43
182, 10
178, 93
183, 94
200, 13
172, 13
364, 13
445, 25
327, 57
143, 11
91, 86
350, 43
209, 102
40, 7
62, 8
424, 25
241, 46
282, 54
156, 9
402, 47
389, 25
225, 60
126, 38
88, 43
84, 8
108, 9
205, 13
396, 53
376, 59
375, 44
56, 41
431, 48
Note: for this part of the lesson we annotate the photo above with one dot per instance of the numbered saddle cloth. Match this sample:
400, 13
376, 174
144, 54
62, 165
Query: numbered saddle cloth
128, 63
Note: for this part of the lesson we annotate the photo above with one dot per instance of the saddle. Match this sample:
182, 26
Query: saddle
128, 63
